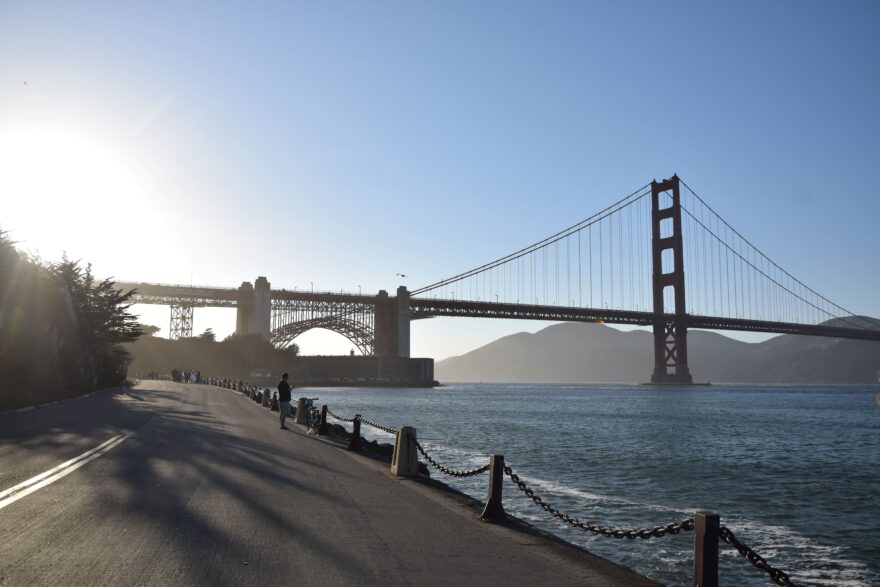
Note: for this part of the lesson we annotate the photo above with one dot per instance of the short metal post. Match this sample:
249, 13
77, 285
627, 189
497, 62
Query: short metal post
494, 510
706, 532
355, 443
322, 427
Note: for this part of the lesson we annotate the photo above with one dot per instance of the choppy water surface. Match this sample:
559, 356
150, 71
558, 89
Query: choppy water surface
793, 471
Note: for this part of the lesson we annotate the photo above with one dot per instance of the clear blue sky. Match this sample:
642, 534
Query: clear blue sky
337, 144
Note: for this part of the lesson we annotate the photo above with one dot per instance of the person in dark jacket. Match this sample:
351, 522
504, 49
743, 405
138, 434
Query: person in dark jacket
284, 399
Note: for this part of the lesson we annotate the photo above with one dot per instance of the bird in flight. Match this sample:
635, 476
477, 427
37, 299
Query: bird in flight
401, 275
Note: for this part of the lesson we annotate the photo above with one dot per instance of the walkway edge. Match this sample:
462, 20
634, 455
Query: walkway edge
470, 508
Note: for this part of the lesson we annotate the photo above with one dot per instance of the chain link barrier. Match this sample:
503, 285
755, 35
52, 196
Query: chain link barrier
447, 470
643, 533
778, 576
330, 412
379, 426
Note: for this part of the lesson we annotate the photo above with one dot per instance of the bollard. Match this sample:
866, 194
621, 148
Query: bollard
405, 460
494, 510
706, 532
302, 413
355, 443
322, 427
275, 402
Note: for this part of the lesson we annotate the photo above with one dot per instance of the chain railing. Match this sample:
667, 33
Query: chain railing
421, 449
686, 525
707, 563
379, 426
778, 576
447, 470
334, 416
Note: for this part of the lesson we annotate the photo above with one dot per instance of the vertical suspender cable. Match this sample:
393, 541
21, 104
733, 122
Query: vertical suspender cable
601, 266
580, 274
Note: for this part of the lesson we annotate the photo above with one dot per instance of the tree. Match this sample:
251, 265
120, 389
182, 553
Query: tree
100, 320
60, 329
149, 329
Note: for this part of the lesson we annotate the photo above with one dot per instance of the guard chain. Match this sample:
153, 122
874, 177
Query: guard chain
330, 412
778, 576
447, 470
643, 533
379, 426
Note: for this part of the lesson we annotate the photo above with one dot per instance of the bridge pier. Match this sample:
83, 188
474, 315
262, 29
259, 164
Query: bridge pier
392, 327
181, 322
244, 313
670, 328
254, 308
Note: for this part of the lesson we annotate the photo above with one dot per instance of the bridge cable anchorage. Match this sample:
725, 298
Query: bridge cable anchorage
686, 525
778, 576
448, 471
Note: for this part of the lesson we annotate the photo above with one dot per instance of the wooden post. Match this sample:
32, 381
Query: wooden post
494, 510
355, 443
706, 532
322, 427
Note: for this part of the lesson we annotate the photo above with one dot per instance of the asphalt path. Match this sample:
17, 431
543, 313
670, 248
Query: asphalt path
205, 488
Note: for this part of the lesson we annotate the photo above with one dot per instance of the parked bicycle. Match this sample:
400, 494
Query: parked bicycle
313, 420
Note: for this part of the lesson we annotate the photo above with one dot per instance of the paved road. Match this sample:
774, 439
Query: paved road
208, 490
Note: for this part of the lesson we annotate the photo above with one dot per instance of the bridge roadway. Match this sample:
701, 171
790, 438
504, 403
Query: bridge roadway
208, 490
428, 308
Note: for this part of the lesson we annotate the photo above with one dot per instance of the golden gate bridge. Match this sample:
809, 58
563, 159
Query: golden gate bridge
660, 257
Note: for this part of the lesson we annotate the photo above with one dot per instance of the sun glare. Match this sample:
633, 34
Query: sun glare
64, 192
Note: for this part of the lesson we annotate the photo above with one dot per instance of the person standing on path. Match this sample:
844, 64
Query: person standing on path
284, 399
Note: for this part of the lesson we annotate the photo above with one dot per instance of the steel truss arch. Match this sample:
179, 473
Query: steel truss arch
359, 335
352, 318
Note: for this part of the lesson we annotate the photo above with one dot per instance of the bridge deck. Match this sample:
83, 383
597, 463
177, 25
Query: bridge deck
427, 308
208, 490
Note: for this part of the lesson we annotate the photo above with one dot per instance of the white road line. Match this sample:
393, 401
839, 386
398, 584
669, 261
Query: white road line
13, 494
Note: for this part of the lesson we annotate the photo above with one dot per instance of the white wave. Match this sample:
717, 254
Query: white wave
595, 500
803, 557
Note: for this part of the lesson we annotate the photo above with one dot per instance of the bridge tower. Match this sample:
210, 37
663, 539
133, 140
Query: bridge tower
254, 308
244, 313
670, 324
262, 308
392, 320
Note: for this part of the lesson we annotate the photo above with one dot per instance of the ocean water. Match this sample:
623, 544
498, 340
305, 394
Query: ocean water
793, 471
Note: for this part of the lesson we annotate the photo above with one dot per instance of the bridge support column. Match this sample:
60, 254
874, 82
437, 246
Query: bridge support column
244, 315
262, 308
181, 322
392, 324
254, 314
402, 322
670, 324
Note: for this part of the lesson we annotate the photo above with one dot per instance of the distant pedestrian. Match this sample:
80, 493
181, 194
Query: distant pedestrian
284, 399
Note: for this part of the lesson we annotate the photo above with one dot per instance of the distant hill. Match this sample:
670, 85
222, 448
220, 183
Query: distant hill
582, 352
